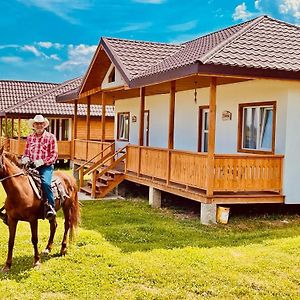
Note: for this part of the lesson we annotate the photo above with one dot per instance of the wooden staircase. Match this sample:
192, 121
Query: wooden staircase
106, 173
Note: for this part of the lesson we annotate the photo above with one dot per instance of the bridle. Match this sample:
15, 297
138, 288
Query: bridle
10, 176
13, 175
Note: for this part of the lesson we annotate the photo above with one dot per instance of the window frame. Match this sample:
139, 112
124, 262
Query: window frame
118, 126
200, 126
240, 126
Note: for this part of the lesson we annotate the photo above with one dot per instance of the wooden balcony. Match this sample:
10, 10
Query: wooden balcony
17, 147
237, 178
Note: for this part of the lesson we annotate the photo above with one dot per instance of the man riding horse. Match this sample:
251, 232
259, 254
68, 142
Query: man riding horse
41, 149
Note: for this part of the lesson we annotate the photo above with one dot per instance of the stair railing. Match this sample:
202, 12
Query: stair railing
81, 169
104, 168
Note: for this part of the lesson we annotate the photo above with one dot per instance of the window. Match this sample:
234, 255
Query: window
123, 126
257, 127
60, 128
112, 76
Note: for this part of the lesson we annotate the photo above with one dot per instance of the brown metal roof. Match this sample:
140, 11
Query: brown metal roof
135, 57
262, 43
45, 103
13, 91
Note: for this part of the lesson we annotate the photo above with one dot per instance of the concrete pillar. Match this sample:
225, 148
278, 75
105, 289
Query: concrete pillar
154, 197
208, 214
75, 173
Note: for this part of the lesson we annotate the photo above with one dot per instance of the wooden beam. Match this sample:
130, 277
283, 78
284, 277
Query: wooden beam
142, 116
88, 127
74, 129
171, 115
103, 115
211, 137
12, 127
19, 134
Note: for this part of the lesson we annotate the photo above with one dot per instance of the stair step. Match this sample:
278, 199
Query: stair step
87, 190
114, 172
106, 178
98, 184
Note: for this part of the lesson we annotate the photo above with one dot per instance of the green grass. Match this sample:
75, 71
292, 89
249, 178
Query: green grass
126, 250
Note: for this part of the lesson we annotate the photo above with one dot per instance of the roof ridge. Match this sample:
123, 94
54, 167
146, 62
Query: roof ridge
285, 23
141, 41
27, 81
210, 54
40, 95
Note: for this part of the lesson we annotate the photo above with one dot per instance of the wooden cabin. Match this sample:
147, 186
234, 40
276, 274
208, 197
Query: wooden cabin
213, 119
61, 117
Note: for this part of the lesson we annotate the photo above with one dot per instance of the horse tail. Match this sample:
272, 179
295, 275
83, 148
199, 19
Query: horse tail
74, 211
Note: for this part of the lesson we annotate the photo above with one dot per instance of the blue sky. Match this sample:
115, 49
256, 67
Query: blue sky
54, 40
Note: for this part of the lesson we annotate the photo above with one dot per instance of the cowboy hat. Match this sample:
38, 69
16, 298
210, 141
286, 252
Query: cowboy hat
38, 119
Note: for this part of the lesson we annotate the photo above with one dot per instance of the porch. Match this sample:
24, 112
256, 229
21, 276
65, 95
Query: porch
17, 147
235, 179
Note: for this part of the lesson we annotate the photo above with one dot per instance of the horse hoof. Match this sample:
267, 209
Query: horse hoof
63, 252
5, 269
46, 252
37, 265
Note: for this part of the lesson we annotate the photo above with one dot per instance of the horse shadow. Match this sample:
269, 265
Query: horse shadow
23, 265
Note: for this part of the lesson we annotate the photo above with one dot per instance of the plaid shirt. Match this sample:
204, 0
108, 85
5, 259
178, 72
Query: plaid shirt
42, 147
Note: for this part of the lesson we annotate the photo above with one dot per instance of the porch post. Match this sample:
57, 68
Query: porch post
103, 119
12, 127
74, 131
171, 115
208, 210
19, 134
154, 197
6, 134
142, 116
88, 128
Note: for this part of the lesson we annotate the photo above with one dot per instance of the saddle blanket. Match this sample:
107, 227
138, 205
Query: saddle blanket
58, 189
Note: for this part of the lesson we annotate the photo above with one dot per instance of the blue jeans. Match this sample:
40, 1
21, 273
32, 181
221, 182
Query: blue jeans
46, 177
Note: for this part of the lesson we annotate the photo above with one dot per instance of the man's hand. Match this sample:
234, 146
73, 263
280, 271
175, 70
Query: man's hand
25, 160
38, 163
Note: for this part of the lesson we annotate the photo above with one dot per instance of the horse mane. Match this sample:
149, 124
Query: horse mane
13, 158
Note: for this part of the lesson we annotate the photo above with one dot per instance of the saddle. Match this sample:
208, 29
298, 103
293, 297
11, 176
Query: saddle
58, 189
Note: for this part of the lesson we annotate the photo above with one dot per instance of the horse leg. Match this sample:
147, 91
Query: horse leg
63, 250
53, 226
34, 240
12, 225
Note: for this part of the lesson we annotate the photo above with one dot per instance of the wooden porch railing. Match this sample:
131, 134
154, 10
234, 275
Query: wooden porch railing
88, 150
18, 147
235, 173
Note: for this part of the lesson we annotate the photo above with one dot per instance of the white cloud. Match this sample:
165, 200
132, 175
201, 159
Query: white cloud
150, 1
257, 4
9, 46
78, 57
62, 8
290, 7
54, 57
32, 49
241, 13
184, 26
135, 27
11, 59
48, 45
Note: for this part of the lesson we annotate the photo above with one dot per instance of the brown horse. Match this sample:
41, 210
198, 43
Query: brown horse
22, 204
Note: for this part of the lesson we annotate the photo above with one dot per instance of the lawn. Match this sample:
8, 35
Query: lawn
126, 250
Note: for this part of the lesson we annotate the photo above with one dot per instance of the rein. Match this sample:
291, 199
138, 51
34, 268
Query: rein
13, 175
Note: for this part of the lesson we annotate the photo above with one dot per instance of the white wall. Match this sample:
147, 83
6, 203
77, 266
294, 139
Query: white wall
119, 81
291, 155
